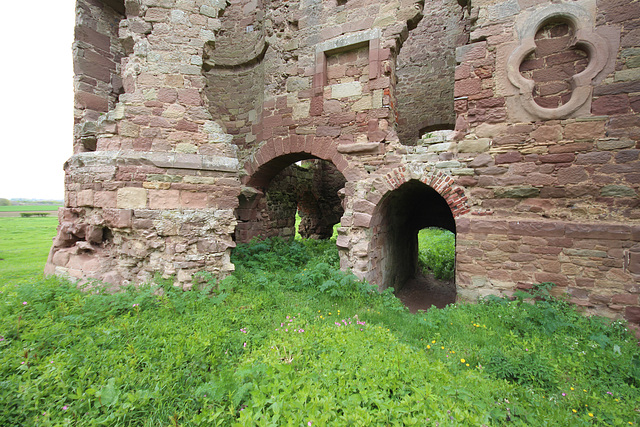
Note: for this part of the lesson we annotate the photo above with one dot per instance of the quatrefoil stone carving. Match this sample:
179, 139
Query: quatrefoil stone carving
597, 47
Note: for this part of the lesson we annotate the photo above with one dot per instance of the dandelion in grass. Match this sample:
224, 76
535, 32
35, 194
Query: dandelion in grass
462, 361
590, 414
428, 346
574, 411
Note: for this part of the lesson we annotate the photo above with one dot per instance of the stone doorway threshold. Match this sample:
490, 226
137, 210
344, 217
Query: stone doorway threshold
421, 292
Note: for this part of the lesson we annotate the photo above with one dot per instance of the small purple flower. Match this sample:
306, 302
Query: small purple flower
136, 305
1, 339
65, 407
244, 345
564, 394
309, 423
24, 303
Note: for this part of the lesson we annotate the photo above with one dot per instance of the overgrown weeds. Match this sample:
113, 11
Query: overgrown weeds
290, 340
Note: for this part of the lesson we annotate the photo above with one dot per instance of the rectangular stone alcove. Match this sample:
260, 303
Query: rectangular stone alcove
343, 44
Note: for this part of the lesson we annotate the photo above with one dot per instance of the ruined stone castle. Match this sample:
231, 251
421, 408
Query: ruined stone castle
200, 124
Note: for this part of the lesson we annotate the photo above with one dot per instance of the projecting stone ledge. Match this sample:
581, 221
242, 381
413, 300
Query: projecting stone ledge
161, 160
359, 147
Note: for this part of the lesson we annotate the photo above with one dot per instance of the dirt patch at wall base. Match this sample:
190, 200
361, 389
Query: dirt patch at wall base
420, 293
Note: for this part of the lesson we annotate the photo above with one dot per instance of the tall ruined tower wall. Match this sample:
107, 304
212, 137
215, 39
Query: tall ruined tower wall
191, 113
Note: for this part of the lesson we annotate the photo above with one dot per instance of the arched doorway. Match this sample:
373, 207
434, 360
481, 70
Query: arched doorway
398, 218
285, 187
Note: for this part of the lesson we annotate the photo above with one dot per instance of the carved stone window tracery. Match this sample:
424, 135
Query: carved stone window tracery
600, 47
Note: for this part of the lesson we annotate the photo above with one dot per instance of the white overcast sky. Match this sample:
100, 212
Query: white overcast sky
36, 108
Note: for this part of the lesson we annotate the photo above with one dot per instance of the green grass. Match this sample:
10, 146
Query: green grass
437, 252
30, 208
24, 247
290, 340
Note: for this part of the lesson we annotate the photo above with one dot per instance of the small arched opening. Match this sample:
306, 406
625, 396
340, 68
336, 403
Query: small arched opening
398, 219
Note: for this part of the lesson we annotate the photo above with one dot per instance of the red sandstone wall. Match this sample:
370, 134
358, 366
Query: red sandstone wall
425, 103
559, 195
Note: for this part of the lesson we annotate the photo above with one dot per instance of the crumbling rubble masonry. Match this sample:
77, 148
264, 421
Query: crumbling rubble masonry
202, 123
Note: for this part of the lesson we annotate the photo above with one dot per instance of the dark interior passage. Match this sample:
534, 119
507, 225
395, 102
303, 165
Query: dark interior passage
397, 221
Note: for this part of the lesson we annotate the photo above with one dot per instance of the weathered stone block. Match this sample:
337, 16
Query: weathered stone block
479, 145
572, 175
618, 191
131, 198
345, 90
584, 130
117, 218
615, 144
517, 192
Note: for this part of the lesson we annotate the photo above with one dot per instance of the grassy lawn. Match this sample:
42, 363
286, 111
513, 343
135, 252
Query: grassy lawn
29, 208
24, 247
290, 340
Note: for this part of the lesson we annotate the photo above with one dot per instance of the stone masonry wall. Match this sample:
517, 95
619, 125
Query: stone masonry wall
424, 103
539, 180
553, 182
97, 52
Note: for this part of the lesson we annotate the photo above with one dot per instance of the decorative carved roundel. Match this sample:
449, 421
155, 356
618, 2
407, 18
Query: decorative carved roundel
585, 38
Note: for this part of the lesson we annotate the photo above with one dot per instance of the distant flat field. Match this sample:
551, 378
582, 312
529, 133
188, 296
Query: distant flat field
14, 211
24, 247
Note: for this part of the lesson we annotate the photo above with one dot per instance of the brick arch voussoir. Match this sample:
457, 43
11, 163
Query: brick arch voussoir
444, 184
297, 148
